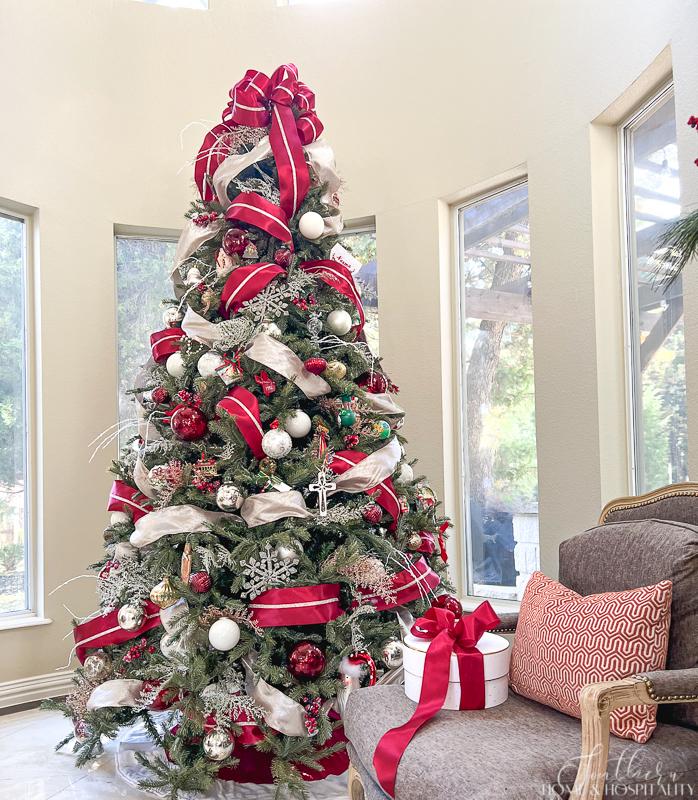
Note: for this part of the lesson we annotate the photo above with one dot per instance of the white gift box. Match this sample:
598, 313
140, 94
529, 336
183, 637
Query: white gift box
496, 652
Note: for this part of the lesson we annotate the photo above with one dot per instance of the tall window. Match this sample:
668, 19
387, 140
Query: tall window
656, 332
143, 266
498, 407
361, 243
14, 533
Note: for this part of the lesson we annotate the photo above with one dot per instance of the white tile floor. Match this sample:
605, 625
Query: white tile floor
30, 769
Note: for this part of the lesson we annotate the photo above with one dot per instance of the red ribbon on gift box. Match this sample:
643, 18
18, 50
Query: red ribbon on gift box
297, 605
243, 407
164, 343
129, 500
407, 585
448, 636
105, 631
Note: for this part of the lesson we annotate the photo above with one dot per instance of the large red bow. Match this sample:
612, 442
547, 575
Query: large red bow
256, 100
448, 636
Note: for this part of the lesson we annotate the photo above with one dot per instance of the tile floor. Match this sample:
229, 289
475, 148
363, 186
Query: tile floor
30, 769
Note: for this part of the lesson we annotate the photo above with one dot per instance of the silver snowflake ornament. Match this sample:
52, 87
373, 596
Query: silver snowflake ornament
266, 572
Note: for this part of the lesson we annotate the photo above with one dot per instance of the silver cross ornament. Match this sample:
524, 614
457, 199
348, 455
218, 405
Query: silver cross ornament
322, 486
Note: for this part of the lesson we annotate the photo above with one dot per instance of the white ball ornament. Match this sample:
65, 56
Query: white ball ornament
298, 424
130, 617
406, 474
339, 321
311, 225
224, 634
208, 364
175, 365
217, 745
119, 518
172, 316
270, 328
193, 277
229, 497
276, 443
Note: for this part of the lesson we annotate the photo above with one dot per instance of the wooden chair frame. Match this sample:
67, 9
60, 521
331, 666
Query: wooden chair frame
597, 700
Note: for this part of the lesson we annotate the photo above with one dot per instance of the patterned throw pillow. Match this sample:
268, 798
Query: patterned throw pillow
565, 641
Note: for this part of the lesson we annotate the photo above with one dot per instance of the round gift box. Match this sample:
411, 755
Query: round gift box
496, 652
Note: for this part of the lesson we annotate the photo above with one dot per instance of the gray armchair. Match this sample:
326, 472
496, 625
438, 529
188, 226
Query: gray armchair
522, 750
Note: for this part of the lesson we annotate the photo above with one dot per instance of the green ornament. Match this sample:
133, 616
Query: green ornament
346, 417
381, 429
346, 397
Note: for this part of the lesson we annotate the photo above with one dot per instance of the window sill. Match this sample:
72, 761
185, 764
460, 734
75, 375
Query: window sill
500, 606
11, 621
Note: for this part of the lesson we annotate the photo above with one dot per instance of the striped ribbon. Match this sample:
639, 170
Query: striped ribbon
297, 605
256, 210
164, 343
129, 500
104, 631
383, 493
245, 283
407, 585
339, 278
243, 407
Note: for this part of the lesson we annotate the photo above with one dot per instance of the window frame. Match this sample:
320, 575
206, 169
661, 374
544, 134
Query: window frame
33, 613
631, 312
469, 600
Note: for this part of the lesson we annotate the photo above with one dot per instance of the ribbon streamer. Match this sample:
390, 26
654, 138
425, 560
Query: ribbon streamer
275, 355
341, 280
297, 605
256, 210
105, 630
129, 500
243, 407
245, 283
174, 519
200, 329
280, 712
121, 692
448, 636
259, 509
141, 479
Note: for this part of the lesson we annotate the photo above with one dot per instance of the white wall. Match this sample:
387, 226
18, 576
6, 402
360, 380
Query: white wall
421, 101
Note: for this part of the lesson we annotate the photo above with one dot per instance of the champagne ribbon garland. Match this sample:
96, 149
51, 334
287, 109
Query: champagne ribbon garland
129, 500
243, 407
280, 712
200, 329
192, 237
120, 692
297, 605
142, 480
448, 636
259, 509
172, 520
105, 630
275, 355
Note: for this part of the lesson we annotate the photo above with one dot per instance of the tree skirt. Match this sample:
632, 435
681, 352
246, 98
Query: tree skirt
135, 740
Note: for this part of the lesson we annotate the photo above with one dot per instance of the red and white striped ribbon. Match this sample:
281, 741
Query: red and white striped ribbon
253, 209
104, 631
408, 585
245, 283
243, 407
164, 343
383, 493
129, 500
297, 605
339, 278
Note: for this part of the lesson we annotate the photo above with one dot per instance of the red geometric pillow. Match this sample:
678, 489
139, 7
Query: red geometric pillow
564, 641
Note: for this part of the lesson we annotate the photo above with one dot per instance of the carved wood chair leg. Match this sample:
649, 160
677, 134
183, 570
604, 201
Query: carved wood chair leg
355, 787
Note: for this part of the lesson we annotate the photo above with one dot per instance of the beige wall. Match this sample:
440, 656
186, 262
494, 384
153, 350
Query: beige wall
422, 101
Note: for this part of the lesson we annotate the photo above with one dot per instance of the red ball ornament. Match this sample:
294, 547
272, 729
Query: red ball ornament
160, 395
316, 365
235, 241
188, 424
374, 382
450, 603
306, 661
283, 257
351, 440
200, 582
372, 513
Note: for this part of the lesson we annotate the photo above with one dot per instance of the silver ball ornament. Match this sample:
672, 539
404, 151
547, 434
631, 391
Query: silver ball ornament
339, 322
392, 653
175, 365
298, 424
208, 364
276, 443
288, 551
130, 617
96, 666
406, 473
311, 225
229, 497
218, 745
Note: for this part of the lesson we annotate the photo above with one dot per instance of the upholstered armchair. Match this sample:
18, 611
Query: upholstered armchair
523, 750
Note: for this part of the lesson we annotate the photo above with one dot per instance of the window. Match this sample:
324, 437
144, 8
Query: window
657, 375
361, 243
197, 5
15, 545
498, 401
143, 266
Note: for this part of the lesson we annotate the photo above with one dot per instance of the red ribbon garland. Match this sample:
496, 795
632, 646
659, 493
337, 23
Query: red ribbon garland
243, 407
407, 585
297, 605
245, 283
256, 100
105, 631
339, 278
384, 493
448, 635
212, 153
129, 500
256, 210
164, 343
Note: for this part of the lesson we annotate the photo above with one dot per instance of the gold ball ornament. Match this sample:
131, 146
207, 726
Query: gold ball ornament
335, 370
268, 466
164, 593
414, 541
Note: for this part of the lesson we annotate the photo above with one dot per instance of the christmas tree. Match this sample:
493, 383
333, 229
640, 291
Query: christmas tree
265, 523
